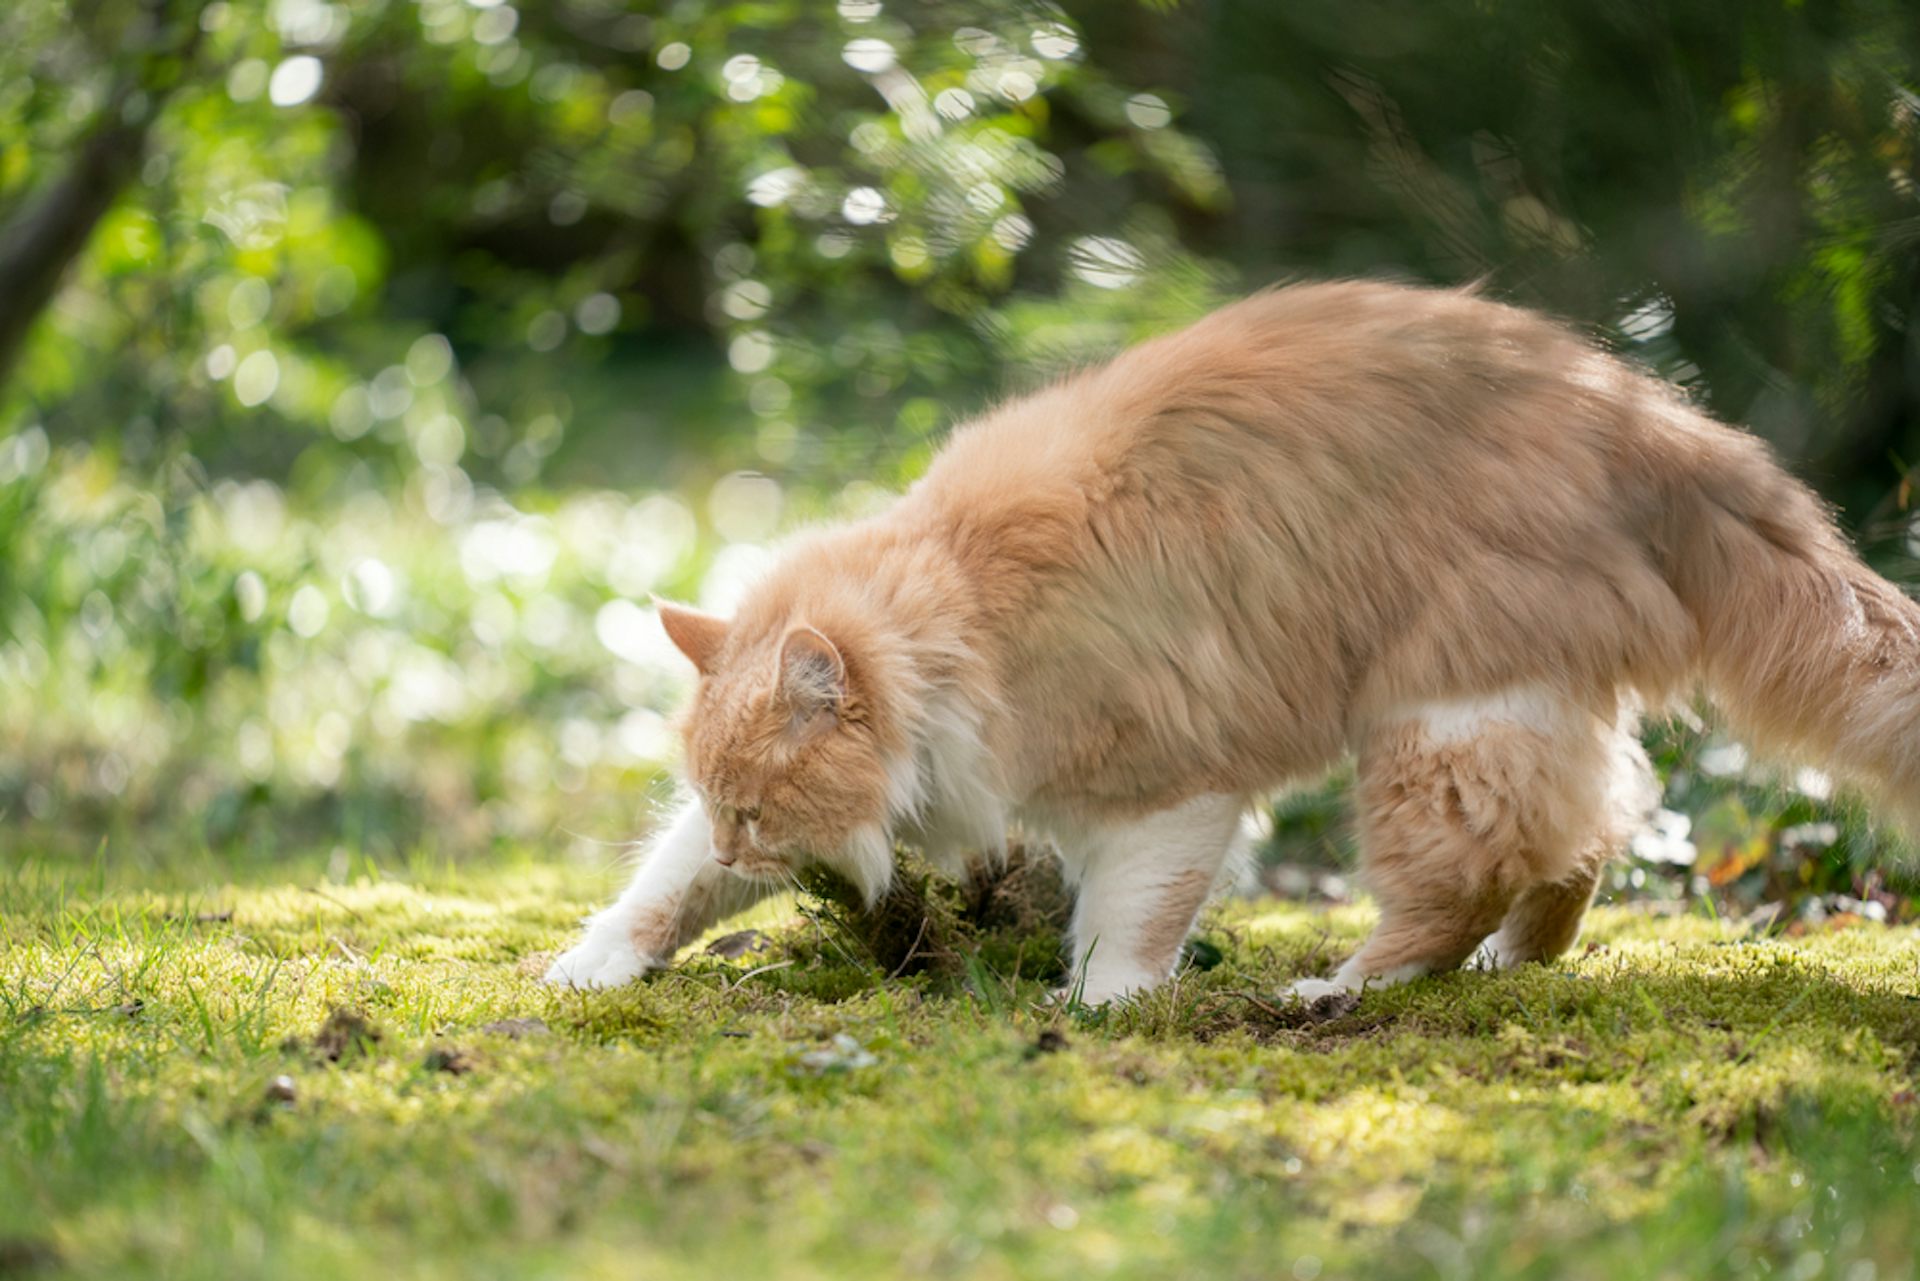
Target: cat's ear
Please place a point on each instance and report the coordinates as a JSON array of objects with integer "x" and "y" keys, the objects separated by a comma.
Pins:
[
  {"x": 813, "y": 676},
  {"x": 697, "y": 635}
]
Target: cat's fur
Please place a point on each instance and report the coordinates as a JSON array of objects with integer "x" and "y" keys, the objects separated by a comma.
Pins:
[{"x": 1443, "y": 534}]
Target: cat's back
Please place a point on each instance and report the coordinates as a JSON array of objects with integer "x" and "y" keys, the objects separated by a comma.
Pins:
[
  {"x": 1355, "y": 388},
  {"x": 1239, "y": 526},
  {"x": 1366, "y": 370}
]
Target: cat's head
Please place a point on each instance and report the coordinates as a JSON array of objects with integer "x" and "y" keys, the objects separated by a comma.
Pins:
[{"x": 783, "y": 748}]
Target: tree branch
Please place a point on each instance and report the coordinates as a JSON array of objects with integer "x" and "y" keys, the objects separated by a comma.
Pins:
[{"x": 41, "y": 241}]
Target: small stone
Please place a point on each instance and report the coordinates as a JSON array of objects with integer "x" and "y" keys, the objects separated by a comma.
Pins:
[
  {"x": 1050, "y": 1041},
  {"x": 1332, "y": 1006},
  {"x": 450, "y": 1059},
  {"x": 345, "y": 1033},
  {"x": 281, "y": 1090},
  {"x": 842, "y": 1054},
  {"x": 737, "y": 944},
  {"x": 516, "y": 1029},
  {"x": 20, "y": 1255}
]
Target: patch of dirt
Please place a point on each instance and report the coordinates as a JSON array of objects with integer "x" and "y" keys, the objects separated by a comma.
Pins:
[
  {"x": 926, "y": 924},
  {"x": 1325, "y": 1022},
  {"x": 347, "y": 1034},
  {"x": 1025, "y": 893},
  {"x": 25, "y": 1256},
  {"x": 914, "y": 929},
  {"x": 1050, "y": 1041},
  {"x": 450, "y": 1059}
]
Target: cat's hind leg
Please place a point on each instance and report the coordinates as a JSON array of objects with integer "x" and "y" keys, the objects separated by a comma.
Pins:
[
  {"x": 676, "y": 892},
  {"x": 1140, "y": 884},
  {"x": 1469, "y": 810},
  {"x": 1545, "y": 919}
]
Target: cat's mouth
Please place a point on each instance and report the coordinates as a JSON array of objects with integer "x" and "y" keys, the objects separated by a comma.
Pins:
[{"x": 758, "y": 868}]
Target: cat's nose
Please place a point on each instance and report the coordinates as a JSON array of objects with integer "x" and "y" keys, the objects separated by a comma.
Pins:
[{"x": 722, "y": 857}]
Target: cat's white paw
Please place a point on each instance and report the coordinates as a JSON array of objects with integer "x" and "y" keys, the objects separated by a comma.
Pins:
[
  {"x": 1494, "y": 954},
  {"x": 600, "y": 960},
  {"x": 1107, "y": 987},
  {"x": 1502, "y": 953},
  {"x": 1351, "y": 979},
  {"x": 1311, "y": 990}
]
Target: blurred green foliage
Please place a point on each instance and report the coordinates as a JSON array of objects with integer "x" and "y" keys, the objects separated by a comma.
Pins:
[
  {"x": 1726, "y": 188},
  {"x": 406, "y": 345}
]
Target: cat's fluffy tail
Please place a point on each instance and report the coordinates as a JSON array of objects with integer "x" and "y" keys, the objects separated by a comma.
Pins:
[{"x": 1807, "y": 651}]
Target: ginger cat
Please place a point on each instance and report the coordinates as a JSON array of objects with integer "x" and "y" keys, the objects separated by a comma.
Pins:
[{"x": 1442, "y": 534}]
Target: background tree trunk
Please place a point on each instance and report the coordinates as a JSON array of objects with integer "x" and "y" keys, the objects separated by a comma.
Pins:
[{"x": 39, "y": 243}]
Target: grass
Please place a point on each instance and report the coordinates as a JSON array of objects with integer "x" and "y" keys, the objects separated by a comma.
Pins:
[{"x": 1680, "y": 1098}]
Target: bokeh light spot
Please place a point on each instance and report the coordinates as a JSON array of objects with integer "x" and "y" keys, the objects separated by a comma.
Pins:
[
  {"x": 248, "y": 80},
  {"x": 776, "y": 186},
  {"x": 597, "y": 313},
  {"x": 869, "y": 54},
  {"x": 256, "y": 379},
  {"x": 307, "y": 613},
  {"x": 954, "y": 104},
  {"x": 429, "y": 359},
  {"x": 1105, "y": 261},
  {"x": 295, "y": 80},
  {"x": 1055, "y": 40},
  {"x": 745, "y": 507},
  {"x": 751, "y": 352},
  {"x": 864, "y": 206},
  {"x": 1148, "y": 111},
  {"x": 546, "y": 331},
  {"x": 250, "y": 596}
]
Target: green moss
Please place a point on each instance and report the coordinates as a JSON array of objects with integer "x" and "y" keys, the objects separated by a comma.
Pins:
[{"x": 1677, "y": 1098}]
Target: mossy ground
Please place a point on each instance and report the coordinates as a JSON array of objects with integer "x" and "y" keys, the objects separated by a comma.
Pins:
[{"x": 1681, "y": 1097}]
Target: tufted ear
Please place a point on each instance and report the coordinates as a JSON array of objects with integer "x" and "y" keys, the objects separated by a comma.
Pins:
[
  {"x": 813, "y": 676},
  {"x": 697, "y": 635}
]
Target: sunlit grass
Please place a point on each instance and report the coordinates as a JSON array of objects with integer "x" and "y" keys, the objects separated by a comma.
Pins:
[{"x": 1680, "y": 1097}]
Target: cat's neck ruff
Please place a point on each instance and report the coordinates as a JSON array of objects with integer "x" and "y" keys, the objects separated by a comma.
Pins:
[{"x": 944, "y": 793}]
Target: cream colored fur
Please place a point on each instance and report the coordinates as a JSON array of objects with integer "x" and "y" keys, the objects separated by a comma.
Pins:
[{"x": 1441, "y": 534}]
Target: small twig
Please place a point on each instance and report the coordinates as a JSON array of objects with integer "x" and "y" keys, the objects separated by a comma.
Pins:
[
  {"x": 336, "y": 902},
  {"x": 1251, "y": 999},
  {"x": 129, "y": 1009},
  {"x": 913, "y": 950},
  {"x": 1319, "y": 948},
  {"x": 777, "y": 965}
]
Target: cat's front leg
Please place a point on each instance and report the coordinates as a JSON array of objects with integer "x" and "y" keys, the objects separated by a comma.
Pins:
[
  {"x": 1141, "y": 883},
  {"x": 677, "y": 891}
]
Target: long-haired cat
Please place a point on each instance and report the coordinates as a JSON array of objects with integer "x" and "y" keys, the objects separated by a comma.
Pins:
[{"x": 1442, "y": 534}]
